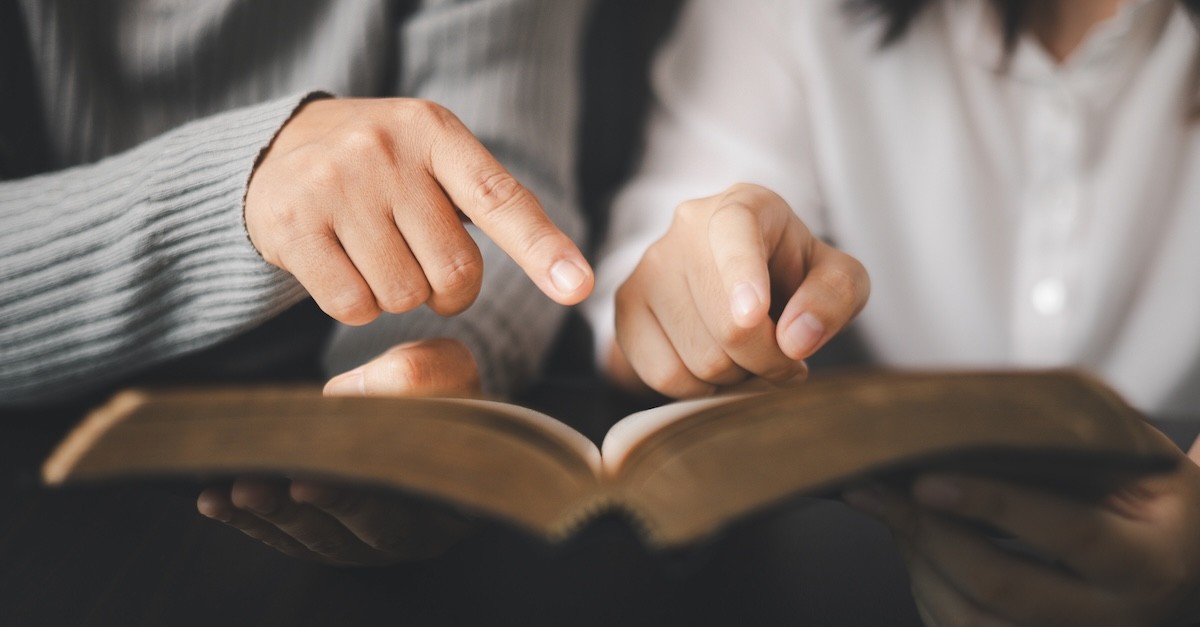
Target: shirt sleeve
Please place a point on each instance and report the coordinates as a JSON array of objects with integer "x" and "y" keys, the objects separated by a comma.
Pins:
[
  {"x": 111, "y": 267},
  {"x": 727, "y": 107},
  {"x": 509, "y": 70}
]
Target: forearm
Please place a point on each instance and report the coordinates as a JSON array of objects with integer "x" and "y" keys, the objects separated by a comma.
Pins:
[{"x": 111, "y": 267}]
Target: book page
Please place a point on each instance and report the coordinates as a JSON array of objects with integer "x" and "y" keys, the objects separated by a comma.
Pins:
[
  {"x": 553, "y": 427},
  {"x": 511, "y": 462},
  {"x": 634, "y": 428},
  {"x": 689, "y": 470}
]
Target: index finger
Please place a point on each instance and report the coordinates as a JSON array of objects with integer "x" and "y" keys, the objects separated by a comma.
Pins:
[
  {"x": 509, "y": 214},
  {"x": 746, "y": 233}
]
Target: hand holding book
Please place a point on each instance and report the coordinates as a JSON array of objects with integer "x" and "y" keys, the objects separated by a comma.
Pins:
[
  {"x": 344, "y": 524},
  {"x": 1132, "y": 558}
]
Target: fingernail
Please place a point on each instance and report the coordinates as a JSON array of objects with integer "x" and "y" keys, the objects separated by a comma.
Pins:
[
  {"x": 567, "y": 276},
  {"x": 744, "y": 301},
  {"x": 937, "y": 492},
  {"x": 351, "y": 383},
  {"x": 865, "y": 500},
  {"x": 802, "y": 335}
]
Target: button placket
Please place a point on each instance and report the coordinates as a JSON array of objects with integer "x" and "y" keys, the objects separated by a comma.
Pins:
[{"x": 1043, "y": 298}]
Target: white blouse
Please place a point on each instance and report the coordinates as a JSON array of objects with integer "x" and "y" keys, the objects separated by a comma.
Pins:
[{"x": 1029, "y": 216}]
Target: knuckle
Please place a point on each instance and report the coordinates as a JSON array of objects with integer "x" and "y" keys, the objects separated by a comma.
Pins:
[
  {"x": 431, "y": 113},
  {"x": 660, "y": 376},
  {"x": 494, "y": 192},
  {"x": 286, "y": 214},
  {"x": 862, "y": 280},
  {"x": 656, "y": 257},
  {"x": 323, "y": 173},
  {"x": 741, "y": 187},
  {"x": 732, "y": 207},
  {"x": 405, "y": 369},
  {"x": 749, "y": 193},
  {"x": 843, "y": 284},
  {"x": 712, "y": 364},
  {"x": 693, "y": 213},
  {"x": 461, "y": 275},
  {"x": 298, "y": 243},
  {"x": 403, "y": 298},
  {"x": 674, "y": 380},
  {"x": 353, "y": 309},
  {"x": 366, "y": 138}
]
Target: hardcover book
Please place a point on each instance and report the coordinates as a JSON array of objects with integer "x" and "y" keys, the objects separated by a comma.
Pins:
[{"x": 680, "y": 471}]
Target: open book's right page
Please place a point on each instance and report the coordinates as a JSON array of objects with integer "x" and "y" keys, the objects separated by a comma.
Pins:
[{"x": 687, "y": 468}]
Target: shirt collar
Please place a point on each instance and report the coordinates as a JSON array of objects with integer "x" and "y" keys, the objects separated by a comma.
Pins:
[{"x": 978, "y": 34}]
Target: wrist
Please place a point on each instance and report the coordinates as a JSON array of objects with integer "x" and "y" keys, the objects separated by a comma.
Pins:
[{"x": 266, "y": 148}]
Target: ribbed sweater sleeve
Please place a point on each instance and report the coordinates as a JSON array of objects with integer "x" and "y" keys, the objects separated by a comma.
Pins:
[
  {"x": 510, "y": 70},
  {"x": 111, "y": 267},
  {"x": 137, "y": 254}
]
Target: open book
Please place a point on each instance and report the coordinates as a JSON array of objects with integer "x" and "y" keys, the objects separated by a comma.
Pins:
[{"x": 682, "y": 470}]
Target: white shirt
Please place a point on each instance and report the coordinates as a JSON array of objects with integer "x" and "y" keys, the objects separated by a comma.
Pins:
[{"x": 1042, "y": 215}]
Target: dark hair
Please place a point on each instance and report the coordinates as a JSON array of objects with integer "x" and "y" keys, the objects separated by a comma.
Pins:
[{"x": 898, "y": 15}]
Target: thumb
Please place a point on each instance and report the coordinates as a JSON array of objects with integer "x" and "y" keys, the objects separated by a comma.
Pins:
[{"x": 432, "y": 367}]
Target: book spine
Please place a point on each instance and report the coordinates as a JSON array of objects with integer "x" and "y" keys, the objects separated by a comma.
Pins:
[{"x": 597, "y": 506}]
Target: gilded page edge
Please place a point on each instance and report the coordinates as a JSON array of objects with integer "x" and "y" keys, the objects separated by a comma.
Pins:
[{"x": 71, "y": 449}]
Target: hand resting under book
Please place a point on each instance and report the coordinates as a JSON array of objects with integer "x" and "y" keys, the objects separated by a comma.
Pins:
[
  {"x": 1130, "y": 559},
  {"x": 345, "y": 526}
]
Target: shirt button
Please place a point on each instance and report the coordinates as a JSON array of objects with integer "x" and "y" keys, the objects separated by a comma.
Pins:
[{"x": 1049, "y": 296}]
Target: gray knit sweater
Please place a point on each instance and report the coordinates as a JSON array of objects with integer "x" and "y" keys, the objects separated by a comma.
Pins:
[{"x": 132, "y": 251}]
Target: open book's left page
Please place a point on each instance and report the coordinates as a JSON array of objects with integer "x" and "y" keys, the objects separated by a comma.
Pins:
[{"x": 497, "y": 459}]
